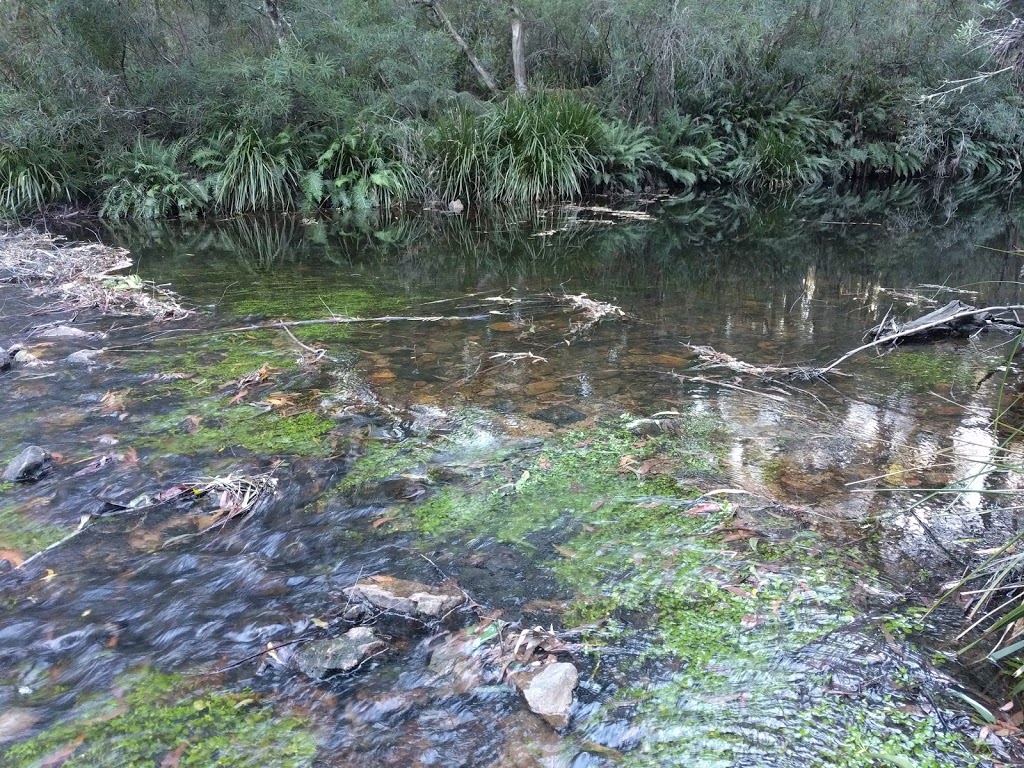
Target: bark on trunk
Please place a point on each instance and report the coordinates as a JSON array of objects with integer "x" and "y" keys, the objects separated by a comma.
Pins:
[
  {"x": 518, "y": 56},
  {"x": 281, "y": 26},
  {"x": 442, "y": 17}
]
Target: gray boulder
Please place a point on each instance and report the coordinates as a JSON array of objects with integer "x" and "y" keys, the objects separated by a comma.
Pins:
[
  {"x": 407, "y": 597},
  {"x": 30, "y": 464},
  {"x": 83, "y": 357},
  {"x": 549, "y": 691},
  {"x": 334, "y": 655}
]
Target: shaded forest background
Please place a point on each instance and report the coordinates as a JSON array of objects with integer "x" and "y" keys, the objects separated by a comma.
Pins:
[{"x": 155, "y": 108}]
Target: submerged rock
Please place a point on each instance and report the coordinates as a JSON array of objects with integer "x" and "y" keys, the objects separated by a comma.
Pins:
[
  {"x": 409, "y": 597},
  {"x": 30, "y": 464},
  {"x": 549, "y": 691},
  {"x": 334, "y": 655},
  {"x": 64, "y": 332},
  {"x": 558, "y": 415},
  {"x": 83, "y": 356}
]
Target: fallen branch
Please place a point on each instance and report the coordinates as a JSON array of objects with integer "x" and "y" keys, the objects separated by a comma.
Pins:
[{"x": 943, "y": 318}]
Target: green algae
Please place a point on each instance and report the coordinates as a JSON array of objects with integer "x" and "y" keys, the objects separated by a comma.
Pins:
[
  {"x": 163, "y": 720},
  {"x": 729, "y": 610},
  {"x": 213, "y": 427},
  {"x": 19, "y": 532},
  {"x": 926, "y": 369},
  {"x": 218, "y": 362},
  {"x": 555, "y": 488}
]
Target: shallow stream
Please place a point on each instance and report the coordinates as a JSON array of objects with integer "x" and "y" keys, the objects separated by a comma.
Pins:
[{"x": 738, "y": 580}]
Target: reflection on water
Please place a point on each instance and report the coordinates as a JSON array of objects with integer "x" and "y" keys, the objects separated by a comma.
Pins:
[{"x": 779, "y": 285}]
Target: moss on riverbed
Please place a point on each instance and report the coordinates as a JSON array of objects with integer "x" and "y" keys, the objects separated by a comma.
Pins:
[
  {"x": 21, "y": 533},
  {"x": 164, "y": 720},
  {"x": 212, "y": 427}
]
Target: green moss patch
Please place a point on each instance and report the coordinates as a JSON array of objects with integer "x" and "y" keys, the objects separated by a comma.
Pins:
[
  {"x": 927, "y": 369},
  {"x": 215, "y": 426},
  {"x": 19, "y": 532},
  {"x": 163, "y": 720}
]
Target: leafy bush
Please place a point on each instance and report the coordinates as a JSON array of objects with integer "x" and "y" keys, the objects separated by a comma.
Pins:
[
  {"x": 146, "y": 183},
  {"x": 359, "y": 170},
  {"x": 247, "y": 173},
  {"x": 32, "y": 177},
  {"x": 525, "y": 150}
]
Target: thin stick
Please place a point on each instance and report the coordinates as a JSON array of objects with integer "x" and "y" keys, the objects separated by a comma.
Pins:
[{"x": 81, "y": 527}]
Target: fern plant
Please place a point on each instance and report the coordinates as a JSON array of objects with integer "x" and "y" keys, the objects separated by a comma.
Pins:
[
  {"x": 358, "y": 171},
  {"x": 145, "y": 182}
]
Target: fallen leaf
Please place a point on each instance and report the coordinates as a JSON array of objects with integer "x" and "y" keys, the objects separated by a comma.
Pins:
[
  {"x": 173, "y": 758},
  {"x": 382, "y": 521},
  {"x": 738, "y": 534},
  {"x": 59, "y": 756},
  {"x": 703, "y": 509},
  {"x": 505, "y": 326},
  {"x": 12, "y": 556},
  {"x": 381, "y": 377},
  {"x": 750, "y": 621},
  {"x": 545, "y": 464},
  {"x": 192, "y": 424},
  {"x": 566, "y": 552}
]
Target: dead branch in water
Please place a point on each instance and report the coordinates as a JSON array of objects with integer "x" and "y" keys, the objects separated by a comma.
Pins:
[{"x": 955, "y": 317}]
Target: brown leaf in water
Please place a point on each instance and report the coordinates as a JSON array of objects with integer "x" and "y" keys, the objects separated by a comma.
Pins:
[
  {"x": 566, "y": 552},
  {"x": 545, "y": 464},
  {"x": 585, "y": 443},
  {"x": 170, "y": 493},
  {"x": 672, "y": 361},
  {"x": 242, "y": 393},
  {"x": 113, "y": 401},
  {"x": 173, "y": 758},
  {"x": 12, "y": 556},
  {"x": 738, "y": 534},
  {"x": 60, "y": 755},
  {"x": 382, "y": 376},
  {"x": 130, "y": 457},
  {"x": 505, "y": 327},
  {"x": 703, "y": 509},
  {"x": 191, "y": 424},
  {"x": 382, "y": 521}
]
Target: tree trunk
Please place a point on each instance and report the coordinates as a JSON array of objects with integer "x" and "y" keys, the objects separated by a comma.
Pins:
[
  {"x": 518, "y": 56},
  {"x": 460, "y": 41},
  {"x": 281, "y": 26}
]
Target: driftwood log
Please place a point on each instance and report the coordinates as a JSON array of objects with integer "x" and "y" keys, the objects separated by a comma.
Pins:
[{"x": 956, "y": 318}]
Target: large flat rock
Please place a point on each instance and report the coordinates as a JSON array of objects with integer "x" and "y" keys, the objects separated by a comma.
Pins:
[
  {"x": 549, "y": 691},
  {"x": 334, "y": 655},
  {"x": 407, "y": 597}
]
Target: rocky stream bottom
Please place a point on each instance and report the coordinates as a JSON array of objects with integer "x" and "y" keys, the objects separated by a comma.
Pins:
[{"x": 230, "y": 551}]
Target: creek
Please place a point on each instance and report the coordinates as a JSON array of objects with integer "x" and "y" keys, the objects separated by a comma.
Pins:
[{"x": 741, "y": 581}]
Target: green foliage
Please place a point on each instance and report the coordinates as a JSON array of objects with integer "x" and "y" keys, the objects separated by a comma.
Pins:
[
  {"x": 768, "y": 96},
  {"x": 33, "y": 177},
  {"x": 145, "y": 182},
  {"x": 359, "y": 170},
  {"x": 162, "y": 719},
  {"x": 546, "y": 147},
  {"x": 246, "y": 172}
]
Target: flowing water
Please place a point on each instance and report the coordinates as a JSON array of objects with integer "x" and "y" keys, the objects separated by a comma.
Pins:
[{"x": 775, "y": 623}]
